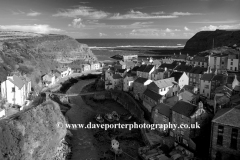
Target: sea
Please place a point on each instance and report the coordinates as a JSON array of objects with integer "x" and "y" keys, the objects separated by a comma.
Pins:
[{"x": 105, "y": 48}]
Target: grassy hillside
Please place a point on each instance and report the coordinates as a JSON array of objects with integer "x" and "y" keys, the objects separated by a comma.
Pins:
[{"x": 36, "y": 54}]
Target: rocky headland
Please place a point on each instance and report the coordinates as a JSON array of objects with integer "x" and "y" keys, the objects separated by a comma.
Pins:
[{"x": 206, "y": 40}]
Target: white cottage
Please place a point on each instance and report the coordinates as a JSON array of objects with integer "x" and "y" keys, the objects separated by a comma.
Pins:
[{"x": 15, "y": 90}]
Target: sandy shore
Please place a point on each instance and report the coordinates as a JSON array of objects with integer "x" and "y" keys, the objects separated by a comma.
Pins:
[{"x": 83, "y": 148}]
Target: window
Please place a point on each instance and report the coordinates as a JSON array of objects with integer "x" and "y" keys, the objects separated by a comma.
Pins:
[
  {"x": 234, "y": 136},
  {"x": 231, "y": 63},
  {"x": 230, "y": 68},
  {"x": 207, "y": 86},
  {"x": 220, "y": 135},
  {"x": 13, "y": 89},
  {"x": 182, "y": 116}
]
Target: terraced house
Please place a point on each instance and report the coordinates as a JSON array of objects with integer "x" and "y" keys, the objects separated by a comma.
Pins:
[
  {"x": 16, "y": 89},
  {"x": 188, "y": 114},
  {"x": 160, "y": 74},
  {"x": 225, "y": 135},
  {"x": 161, "y": 115},
  {"x": 233, "y": 62},
  {"x": 195, "y": 75},
  {"x": 181, "y": 78},
  {"x": 199, "y": 61},
  {"x": 147, "y": 71},
  {"x": 218, "y": 61},
  {"x": 165, "y": 87}
]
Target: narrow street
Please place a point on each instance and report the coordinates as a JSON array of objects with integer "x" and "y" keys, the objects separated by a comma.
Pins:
[{"x": 82, "y": 142}]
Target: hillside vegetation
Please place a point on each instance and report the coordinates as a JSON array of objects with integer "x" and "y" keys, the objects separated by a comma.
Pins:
[
  {"x": 36, "y": 54},
  {"x": 205, "y": 40}
]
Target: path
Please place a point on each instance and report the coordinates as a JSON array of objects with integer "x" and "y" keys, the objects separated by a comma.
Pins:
[{"x": 82, "y": 142}]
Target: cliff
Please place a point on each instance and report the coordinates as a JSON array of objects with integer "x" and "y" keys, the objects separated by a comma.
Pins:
[
  {"x": 204, "y": 40},
  {"x": 33, "y": 133},
  {"x": 35, "y": 54}
]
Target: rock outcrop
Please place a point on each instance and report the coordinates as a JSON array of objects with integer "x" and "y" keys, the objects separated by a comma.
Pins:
[
  {"x": 34, "y": 134},
  {"x": 205, "y": 40}
]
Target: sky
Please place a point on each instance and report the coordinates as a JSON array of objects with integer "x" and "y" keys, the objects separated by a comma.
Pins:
[{"x": 141, "y": 19}]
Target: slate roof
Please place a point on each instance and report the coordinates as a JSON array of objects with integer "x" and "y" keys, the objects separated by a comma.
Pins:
[
  {"x": 198, "y": 70},
  {"x": 168, "y": 66},
  {"x": 187, "y": 95},
  {"x": 176, "y": 75},
  {"x": 183, "y": 68},
  {"x": 154, "y": 96},
  {"x": 228, "y": 116},
  {"x": 141, "y": 68},
  {"x": 232, "y": 56},
  {"x": 182, "y": 56},
  {"x": 163, "y": 109},
  {"x": 148, "y": 68},
  {"x": 220, "y": 77},
  {"x": 17, "y": 81},
  {"x": 135, "y": 68},
  {"x": 200, "y": 59},
  {"x": 207, "y": 76},
  {"x": 188, "y": 88},
  {"x": 163, "y": 83},
  {"x": 184, "y": 108},
  {"x": 120, "y": 70},
  {"x": 117, "y": 76},
  {"x": 140, "y": 80}
]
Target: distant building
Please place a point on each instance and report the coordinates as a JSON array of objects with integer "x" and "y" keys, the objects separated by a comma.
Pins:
[
  {"x": 161, "y": 115},
  {"x": 66, "y": 72},
  {"x": 199, "y": 61},
  {"x": 233, "y": 62},
  {"x": 218, "y": 61},
  {"x": 225, "y": 135},
  {"x": 195, "y": 75},
  {"x": 165, "y": 87},
  {"x": 180, "y": 57},
  {"x": 181, "y": 78},
  {"x": 117, "y": 81},
  {"x": 156, "y": 63},
  {"x": 160, "y": 74},
  {"x": 170, "y": 67},
  {"x": 128, "y": 83},
  {"x": 205, "y": 85},
  {"x": 189, "y": 94},
  {"x": 147, "y": 71},
  {"x": 151, "y": 99},
  {"x": 183, "y": 68},
  {"x": 140, "y": 70},
  {"x": 86, "y": 67},
  {"x": 187, "y": 114},
  {"x": 139, "y": 86},
  {"x": 122, "y": 72}
]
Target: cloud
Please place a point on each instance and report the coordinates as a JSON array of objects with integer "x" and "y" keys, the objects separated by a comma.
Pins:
[
  {"x": 186, "y": 29},
  {"x": 170, "y": 30},
  {"x": 77, "y": 23},
  {"x": 17, "y": 12},
  {"x": 220, "y": 22},
  {"x": 185, "y": 14},
  {"x": 140, "y": 15},
  {"x": 33, "y": 13},
  {"x": 102, "y": 34},
  {"x": 158, "y": 12},
  {"x": 145, "y": 32},
  {"x": 37, "y": 28},
  {"x": 224, "y": 27},
  {"x": 82, "y": 11}
]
